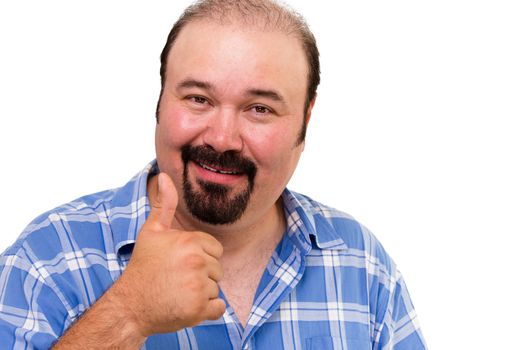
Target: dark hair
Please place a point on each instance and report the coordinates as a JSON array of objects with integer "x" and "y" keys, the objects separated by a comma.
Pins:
[{"x": 267, "y": 14}]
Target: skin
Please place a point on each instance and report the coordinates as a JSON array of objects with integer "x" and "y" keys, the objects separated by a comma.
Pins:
[
  {"x": 178, "y": 263},
  {"x": 225, "y": 116}
]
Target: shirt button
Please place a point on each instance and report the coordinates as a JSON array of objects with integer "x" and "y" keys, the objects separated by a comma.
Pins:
[{"x": 246, "y": 347}]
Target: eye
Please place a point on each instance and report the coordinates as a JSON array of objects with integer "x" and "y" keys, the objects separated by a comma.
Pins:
[
  {"x": 262, "y": 109},
  {"x": 197, "y": 99}
]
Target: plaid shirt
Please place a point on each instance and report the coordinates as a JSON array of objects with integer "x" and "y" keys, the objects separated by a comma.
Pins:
[{"x": 328, "y": 285}]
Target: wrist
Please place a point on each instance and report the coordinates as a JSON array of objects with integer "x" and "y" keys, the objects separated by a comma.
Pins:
[
  {"x": 122, "y": 301},
  {"x": 108, "y": 324}
]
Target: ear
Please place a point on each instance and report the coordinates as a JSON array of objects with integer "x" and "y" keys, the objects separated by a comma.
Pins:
[
  {"x": 309, "y": 111},
  {"x": 302, "y": 140}
]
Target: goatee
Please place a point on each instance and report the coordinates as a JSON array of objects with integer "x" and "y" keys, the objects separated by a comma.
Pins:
[{"x": 215, "y": 203}]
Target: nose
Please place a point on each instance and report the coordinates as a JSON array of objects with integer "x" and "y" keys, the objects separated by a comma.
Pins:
[{"x": 222, "y": 131}]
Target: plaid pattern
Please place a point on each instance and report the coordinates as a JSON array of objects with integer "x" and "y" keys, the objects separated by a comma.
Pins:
[{"x": 328, "y": 285}]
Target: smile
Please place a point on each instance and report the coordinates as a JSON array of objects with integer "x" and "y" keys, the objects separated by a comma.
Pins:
[{"x": 225, "y": 172}]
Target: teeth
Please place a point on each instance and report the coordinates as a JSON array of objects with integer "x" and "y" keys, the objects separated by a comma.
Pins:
[
  {"x": 208, "y": 168},
  {"x": 218, "y": 171}
]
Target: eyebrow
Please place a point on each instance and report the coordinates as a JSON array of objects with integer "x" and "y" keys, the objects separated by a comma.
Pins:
[
  {"x": 271, "y": 94},
  {"x": 267, "y": 93},
  {"x": 191, "y": 83}
]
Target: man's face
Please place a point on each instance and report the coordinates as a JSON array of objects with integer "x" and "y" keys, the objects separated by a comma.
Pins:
[{"x": 230, "y": 116}]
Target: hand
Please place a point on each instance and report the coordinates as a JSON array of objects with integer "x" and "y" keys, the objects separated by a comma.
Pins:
[{"x": 171, "y": 280}]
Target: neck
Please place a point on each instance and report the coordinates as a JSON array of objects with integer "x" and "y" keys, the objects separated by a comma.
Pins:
[{"x": 265, "y": 233}]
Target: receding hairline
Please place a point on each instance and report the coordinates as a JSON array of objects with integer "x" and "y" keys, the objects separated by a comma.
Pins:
[{"x": 261, "y": 14}]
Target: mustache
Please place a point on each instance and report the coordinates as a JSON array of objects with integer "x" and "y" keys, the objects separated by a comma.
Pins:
[{"x": 231, "y": 160}]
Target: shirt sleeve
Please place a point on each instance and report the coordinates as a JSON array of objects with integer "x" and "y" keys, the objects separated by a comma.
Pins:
[
  {"x": 400, "y": 329},
  {"x": 31, "y": 314},
  {"x": 394, "y": 323}
]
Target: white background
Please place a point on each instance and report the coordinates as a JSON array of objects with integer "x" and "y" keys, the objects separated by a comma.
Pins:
[{"x": 417, "y": 132}]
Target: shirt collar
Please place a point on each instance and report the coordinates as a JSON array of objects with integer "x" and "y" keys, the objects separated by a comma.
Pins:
[{"x": 307, "y": 223}]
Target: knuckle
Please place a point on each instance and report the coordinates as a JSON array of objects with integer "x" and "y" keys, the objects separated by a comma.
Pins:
[
  {"x": 220, "y": 272},
  {"x": 219, "y": 248},
  {"x": 195, "y": 261},
  {"x": 195, "y": 285},
  {"x": 218, "y": 310},
  {"x": 185, "y": 238},
  {"x": 195, "y": 309}
]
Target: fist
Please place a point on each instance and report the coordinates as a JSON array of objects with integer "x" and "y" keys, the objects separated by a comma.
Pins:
[{"x": 171, "y": 280}]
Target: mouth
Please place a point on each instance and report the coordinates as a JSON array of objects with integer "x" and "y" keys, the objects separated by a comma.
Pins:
[
  {"x": 218, "y": 170},
  {"x": 214, "y": 174},
  {"x": 229, "y": 168}
]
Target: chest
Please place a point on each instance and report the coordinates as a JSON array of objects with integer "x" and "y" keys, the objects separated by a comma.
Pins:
[
  {"x": 240, "y": 283},
  {"x": 326, "y": 309}
]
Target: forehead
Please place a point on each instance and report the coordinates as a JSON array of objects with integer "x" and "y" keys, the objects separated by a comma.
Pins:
[{"x": 236, "y": 56}]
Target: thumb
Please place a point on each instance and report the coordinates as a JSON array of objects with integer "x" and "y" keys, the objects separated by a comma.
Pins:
[{"x": 164, "y": 205}]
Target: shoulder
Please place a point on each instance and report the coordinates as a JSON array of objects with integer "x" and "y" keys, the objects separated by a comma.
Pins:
[
  {"x": 342, "y": 244},
  {"x": 89, "y": 226},
  {"x": 334, "y": 233},
  {"x": 71, "y": 221},
  {"x": 331, "y": 225},
  {"x": 46, "y": 272},
  {"x": 66, "y": 253}
]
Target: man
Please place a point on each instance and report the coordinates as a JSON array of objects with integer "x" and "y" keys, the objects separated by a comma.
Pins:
[{"x": 206, "y": 248}]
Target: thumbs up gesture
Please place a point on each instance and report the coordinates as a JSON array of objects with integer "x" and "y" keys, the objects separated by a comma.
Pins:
[{"x": 171, "y": 280}]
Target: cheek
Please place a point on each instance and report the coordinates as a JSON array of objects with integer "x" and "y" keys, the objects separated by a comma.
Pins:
[
  {"x": 274, "y": 148},
  {"x": 177, "y": 128}
]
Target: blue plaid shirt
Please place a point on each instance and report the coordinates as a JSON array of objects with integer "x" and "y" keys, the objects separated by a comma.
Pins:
[{"x": 328, "y": 285}]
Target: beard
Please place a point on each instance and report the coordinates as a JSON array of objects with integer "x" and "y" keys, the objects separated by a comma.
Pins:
[{"x": 210, "y": 202}]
